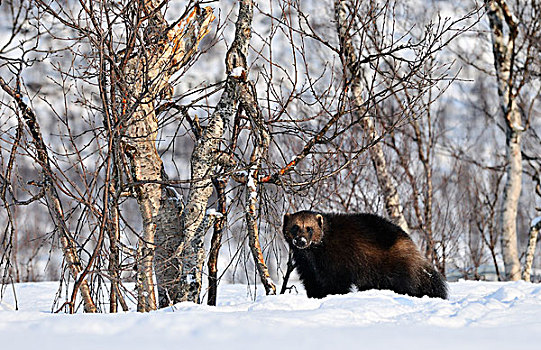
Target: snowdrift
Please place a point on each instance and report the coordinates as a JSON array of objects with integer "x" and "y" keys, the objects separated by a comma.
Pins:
[{"x": 478, "y": 315}]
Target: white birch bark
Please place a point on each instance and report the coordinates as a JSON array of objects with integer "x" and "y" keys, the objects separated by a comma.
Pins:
[
  {"x": 532, "y": 242},
  {"x": 204, "y": 159},
  {"x": 189, "y": 252},
  {"x": 503, "y": 45}
]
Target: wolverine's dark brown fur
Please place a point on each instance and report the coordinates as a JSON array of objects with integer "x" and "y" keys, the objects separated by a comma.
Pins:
[{"x": 334, "y": 252}]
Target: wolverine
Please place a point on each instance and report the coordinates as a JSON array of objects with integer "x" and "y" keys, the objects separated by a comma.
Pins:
[{"x": 335, "y": 252}]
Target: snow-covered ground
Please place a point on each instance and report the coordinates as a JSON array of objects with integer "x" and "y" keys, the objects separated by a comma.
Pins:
[{"x": 479, "y": 315}]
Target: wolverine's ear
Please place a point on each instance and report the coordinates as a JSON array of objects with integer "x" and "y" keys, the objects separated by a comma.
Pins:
[
  {"x": 319, "y": 219},
  {"x": 286, "y": 219}
]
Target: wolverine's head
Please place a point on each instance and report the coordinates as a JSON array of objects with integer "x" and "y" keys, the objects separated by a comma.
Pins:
[{"x": 303, "y": 229}]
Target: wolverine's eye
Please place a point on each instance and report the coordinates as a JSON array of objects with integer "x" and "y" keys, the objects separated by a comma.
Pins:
[
  {"x": 294, "y": 229},
  {"x": 309, "y": 229}
]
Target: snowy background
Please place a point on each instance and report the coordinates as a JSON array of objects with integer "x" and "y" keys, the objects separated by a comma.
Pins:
[{"x": 478, "y": 315}]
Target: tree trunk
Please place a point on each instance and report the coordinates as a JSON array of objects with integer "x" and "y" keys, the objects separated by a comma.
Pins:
[
  {"x": 503, "y": 45},
  {"x": 145, "y": 163},
  {"x": 511, "y": 197},
  {"x": 146, "y": 76},
  {"x": 115, "y": 295},
  {"x": 204, "y": 159},
  {"x": 168, "y": 238},
  {"x": 191, "y": 255},
  {"x": 220, "y": 184},
  {"x": 253, "y": 234},
  {"x": 216, "y": 241},
  {"x": 249, "y": 104},
  {"x": 534, "y": 232}
]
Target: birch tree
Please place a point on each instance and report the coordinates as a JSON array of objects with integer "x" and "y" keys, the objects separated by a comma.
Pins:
[
  {"x": 147, "y": 76},
  {"x": 512, "y": 41},
  {"x": 534, "y": 232},
  {"x": 137, "y": 52},
  {"x": 504, "y": 30},
  {"x": 205, "y": 157},
  {"x": 535, "y": 227}
]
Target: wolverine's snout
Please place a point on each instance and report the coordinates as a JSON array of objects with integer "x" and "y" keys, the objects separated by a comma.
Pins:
[{"x": 300, "y": 242}]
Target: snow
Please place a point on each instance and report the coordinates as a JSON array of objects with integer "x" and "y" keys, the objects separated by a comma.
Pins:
[
  {"x": 214, "y": 212},
  {"x": 251, "y": 184},
  {"x": 237, "y": 72},
  {"x": 487, "y": 315}
]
